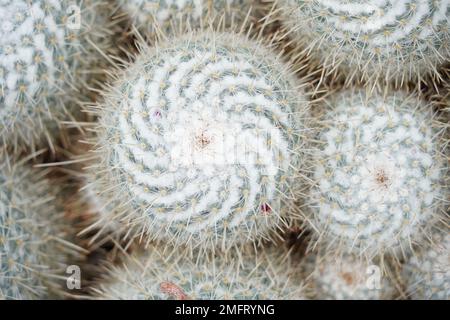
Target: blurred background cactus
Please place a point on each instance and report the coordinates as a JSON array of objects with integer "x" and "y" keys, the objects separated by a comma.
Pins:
[
  {"x": 165, "y": 17},
  {"x": 347, "y": 277},
  {"x": 49, "y": 51},
  {"x": 401, "y": 40},
  {"x": 427, "y": 274},
  {"x": 35, "y": 238},
  {"x": 245, "y": 275}
]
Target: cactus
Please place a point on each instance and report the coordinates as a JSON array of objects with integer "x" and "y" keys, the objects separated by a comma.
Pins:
[
  {"x": 379, "y": 177},
  {"x": 198, "y": 142},
  {"x": 428, "y": 273},
  {"x": 244, "y": 275},
  {"x": 347, "y": 278},
  {"x": 399, "y": 40},
  {"x": 45, "y": 56},
  {"x": 34, "y": 238},
  {"x": 167, "y": 16}
]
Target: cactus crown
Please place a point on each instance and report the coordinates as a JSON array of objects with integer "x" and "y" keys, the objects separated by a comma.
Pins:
[
  {"x": 201, "y": 138},
  {"x": 156, "y": 275},
  {"x": 32, "y": 251},
  {"x": 44, "y": 54},
  {"x": 379, "y": 173},
  {"x": 400, "y": 40}
]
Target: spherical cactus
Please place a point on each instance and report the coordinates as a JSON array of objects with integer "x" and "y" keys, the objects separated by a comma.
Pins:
[
  {"x": 428, "y": 273},
  {"x": 159, "y": 276},
  {"x": 379, "y": 177},
  {"x": 153, "y": 16},
  {"x": 46, "y": 53},
  {"x": 372, "y": 40},
  {"x": 347, "y": 278},
  {"x": 199, "y": 142},
  {"x": 34, "y": 238}
]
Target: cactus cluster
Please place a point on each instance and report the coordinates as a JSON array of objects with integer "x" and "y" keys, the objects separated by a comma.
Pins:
[
  {"x": 34, "y": 237},
  {"x": 428, "y": 273},
  {"x": 397, "y": 40},
  {"x": 153, "y": 17},
  {"x": 155, "y": 275},
  {"x": 45, "y": 53},
  {"x": 379, "y": 173},
  {"x": 199, "y": 142},
  {"x": 209, "y": 132}
]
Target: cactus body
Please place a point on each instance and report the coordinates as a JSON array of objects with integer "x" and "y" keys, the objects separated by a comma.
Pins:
[
  {"x": 198, "y": 142},
  {"x": 45, "y": 56},
  {"x": 428, "y": 272},
  {"x": 379, "y": 174},
  {"x": 33, "y": 234},
  {"x": 156, "y": 276},
  {"x": 397, "y": 40}
]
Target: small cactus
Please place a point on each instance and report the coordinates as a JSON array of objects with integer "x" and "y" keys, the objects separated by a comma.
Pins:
[
  {"x": 398, "y": 40},
  {"x": 199, "y": 142},
  {"x": 153, "y": 16},
  {"x": 347, "y": 278},
  {"x": 428, "y": 273},
  {"x": 34, "y": 238},
  {"x": 379, "y": 177},
  {"x": 45, "y": 55},
  {"x": 158, "y": 276}
]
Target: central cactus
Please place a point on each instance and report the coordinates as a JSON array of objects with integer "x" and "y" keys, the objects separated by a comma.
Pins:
[{"x": 199, "y": 141}]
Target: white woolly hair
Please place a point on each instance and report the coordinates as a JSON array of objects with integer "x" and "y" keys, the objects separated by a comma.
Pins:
[
  {"x": 371, "y": 40},
  {"x": 182, "y": 153},
  {"x": 240, "y": 275},
  {"x": 35, "y": 238},
  {"x": 46, "y": 58},
  {"x": 380, "y": 182}
]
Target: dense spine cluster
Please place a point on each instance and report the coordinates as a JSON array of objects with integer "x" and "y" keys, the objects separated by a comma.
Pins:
[
  {"x": 34, "y": 237},
  {"x": 379, "y": 174},
  {"x": 198, "y": 142},
  {"x": 155, "y": 275},
  {"x": 45, "y": 57},
  {"x": 167, "y": 16},
  {"x": 428, "y": 273},
  {"x": 400, "y": 40}
]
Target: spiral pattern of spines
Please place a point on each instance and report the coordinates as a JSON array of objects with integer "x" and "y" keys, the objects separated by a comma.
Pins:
[
  {"x": 45, "y": 58},
  {"x": 373, "y": 40},
  {"x": 157, "y": 275},
  {"x": 35, "y": 239},
  {"x": 202, "y": 142},
  {"x": 379, "y": 177},
  {"x": 428, "y": 272}
]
